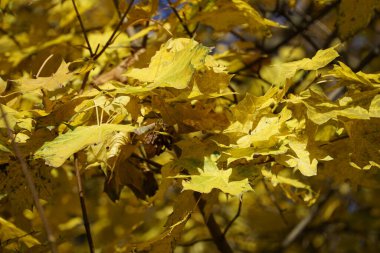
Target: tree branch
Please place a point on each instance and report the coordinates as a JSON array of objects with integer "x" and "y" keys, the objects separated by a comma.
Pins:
[
  {"x": 297, "y": 230},
  {"x": 213, "y": 227},
  {"x": 291, "y": 35},
  {"x": 83, "y": 207},
  {"x": 234, "y": 218},
  {"x": 110, "y": 40},
  {"x": 31, "y": 186},
  {"x": 189, "y": 33},
  {"x": 83, "y": 29}
]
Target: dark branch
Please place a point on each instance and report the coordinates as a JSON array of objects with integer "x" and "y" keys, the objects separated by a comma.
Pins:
[
  {"x": 83, "y": 29},
  {"x": 291, "y": 35},
  {"x": 189, "y": 244},
  {"x": 110, "y": 40},
  {"x": 213, "y": 227},
  {"x": 300, "y": 227},
  {"x": 189, "y": 33},
  {"x": 31, "y": 185},
  {"x": 234, "y": 218},
  {"x": 83, "y": 207},
  {"x": 273, "y": 199}
]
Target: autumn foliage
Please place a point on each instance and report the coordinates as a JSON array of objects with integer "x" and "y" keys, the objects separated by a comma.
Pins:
[{"x": 189, "y": 126}]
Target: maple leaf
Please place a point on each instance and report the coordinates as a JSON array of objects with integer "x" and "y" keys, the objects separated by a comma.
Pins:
[
  {"x": 347, "y": 77},
  {"x": 354, "y": 15},
  {"x": 56, "y": 81},
  {"x": 211, "y": 177},
  {"x": 224, "y": 15},
  {"x": 173, "y": 65},
  {"x": 9, "y": 232},
  {"x": 57, "y": 151},
  {"x": 279, "y": 73}
]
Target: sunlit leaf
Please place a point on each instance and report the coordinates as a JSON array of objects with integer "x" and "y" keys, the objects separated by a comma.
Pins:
[
  {"x": 57, "y": 151},
  {"x": 211, "y": 177},
  {"x": 173, "y": 65}
]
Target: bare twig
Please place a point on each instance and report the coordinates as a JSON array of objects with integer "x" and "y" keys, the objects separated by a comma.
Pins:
[
  {"x": 273, "y": 199},
  {"x": 110, "y": 40},
  {"x": 189, "y": 244},
  {"x": 326, "y": 10},
  {"x": 83, "y": 29},
  {"x": 367, "y": 59},
  {"x": 83, "y": 207},
  {"x": 297, "y": 230},
  {"x": 145, "y": 38},
  {"x": 116, "y": 4},
  {"x": 31, "y": 186},
  {"x": 213, "y": 227},
  {"x": 187, "y": 30},
  {"x": 234, "y": 218}
]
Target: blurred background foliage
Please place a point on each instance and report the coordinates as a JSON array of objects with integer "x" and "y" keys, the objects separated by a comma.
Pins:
[{"x": 346, "y": 214}]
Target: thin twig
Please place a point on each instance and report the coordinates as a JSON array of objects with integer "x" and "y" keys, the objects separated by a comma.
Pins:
[
  {"x": 367, "y": 59},
  {"x": 189, "y": 33},
  {"x": 116, "y": 4},
  {"x": 300, "y": 227},
  {"x": 84, "y": 81},
  {"x": 83, "y": 29},
  {"x": 273, "y": 199},
  {"x": 234, "y": 94},
  {"x": 156, "y": 165},
  {"x": 213, "y": 227},
  {"x": 110, "y": 40},
  {"x": 145, "y": 38},
  {"x": 291, "y": 35},
  {"x": 234, "y": 218},
  {"x": 189, "y": 244},
  {"x": 83, "y": 207},
  {"x": 30, "y": 183}
]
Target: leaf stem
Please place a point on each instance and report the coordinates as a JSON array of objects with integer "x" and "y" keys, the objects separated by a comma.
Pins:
[{"x": 31, "y": 185}]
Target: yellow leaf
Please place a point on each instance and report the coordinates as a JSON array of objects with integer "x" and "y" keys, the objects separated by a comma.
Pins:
[
  {"x": 302, "y": 161},
  {"x": 211, "y": 177},
  {"x": 8, "y": 231},
  {"x": 58, "y": 80},
  {"x": 354, "y": 15},
  {"x": 224, "y": 15},
  {"x": 173, "y": 65},
  {"x": 284, "y": 71},
  {"x": 277, "y": 179}
]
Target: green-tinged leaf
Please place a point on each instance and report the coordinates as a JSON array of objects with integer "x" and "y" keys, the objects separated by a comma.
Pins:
[
  {"x": 14, "y": 235},
  {"x": 57, "y": 151},
  {"x": 211, "y": 177},
  {"x": 173, "y": 65}
]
